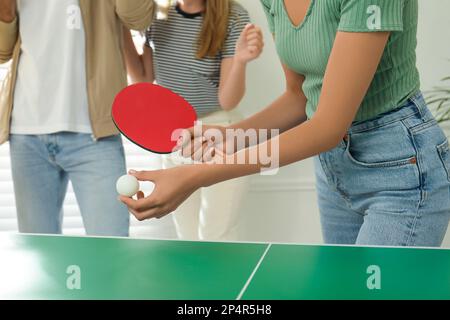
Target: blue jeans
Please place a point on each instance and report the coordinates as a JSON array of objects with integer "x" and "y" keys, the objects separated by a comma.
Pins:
[
  {"x": 42, "y": 166},
  {"x": 388, "y": 182}
]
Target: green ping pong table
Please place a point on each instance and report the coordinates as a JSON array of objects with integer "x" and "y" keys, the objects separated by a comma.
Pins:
[{"x": 56, "y": 267}]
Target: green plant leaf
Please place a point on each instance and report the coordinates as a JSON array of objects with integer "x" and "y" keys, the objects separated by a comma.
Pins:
[
  {"x": 441, "y": 104},
  {"x": 438, "y": 100}
]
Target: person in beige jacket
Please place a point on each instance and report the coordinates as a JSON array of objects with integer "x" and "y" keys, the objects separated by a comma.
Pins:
[{"x": 67, "y": 66}]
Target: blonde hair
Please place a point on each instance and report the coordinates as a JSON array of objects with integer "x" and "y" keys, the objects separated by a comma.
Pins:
[{"x": 215, "y": 25}]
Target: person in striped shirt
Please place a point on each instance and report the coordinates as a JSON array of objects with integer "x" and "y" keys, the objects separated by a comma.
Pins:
[{"x": 200, "y": 49}]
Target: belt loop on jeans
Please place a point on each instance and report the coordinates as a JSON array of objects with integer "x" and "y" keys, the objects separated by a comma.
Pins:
[{"x": 419, "y": 102}]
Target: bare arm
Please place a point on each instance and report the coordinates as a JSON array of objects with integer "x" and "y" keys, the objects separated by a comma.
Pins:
[
  {"x": 232, "y": 83},
  {"x": 233, "y": 70},
  {"x": 140, "y": 67},
  {"x": 350, "y": 71},
  {"x": 284, "y": 113},
  {"x": 8, "y": 29},
  {"x": 351, "y": 68}
]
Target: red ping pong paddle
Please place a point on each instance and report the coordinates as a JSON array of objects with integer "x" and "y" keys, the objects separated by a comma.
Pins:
[{"x": 152, "y": 116}]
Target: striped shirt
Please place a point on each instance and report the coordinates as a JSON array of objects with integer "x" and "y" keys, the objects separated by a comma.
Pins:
[{"x": 174, "y": 43}]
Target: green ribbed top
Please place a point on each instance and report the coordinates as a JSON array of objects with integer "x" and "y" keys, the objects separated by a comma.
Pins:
[{"x": 306, "y": 48}]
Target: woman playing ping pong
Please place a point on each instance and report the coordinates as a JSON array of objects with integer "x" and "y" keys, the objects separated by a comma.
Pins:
[
  {"x": 352, "y": 101},
  {"x": 199, "y": 49}
]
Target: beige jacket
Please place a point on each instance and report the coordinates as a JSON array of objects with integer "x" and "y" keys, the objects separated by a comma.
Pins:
[{"x": 105, "y": 66}]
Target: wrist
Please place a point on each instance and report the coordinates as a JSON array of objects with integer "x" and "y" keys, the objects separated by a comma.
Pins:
[
  {"x": 200, "y": 175},
  {"x": 239, "y": 63}
]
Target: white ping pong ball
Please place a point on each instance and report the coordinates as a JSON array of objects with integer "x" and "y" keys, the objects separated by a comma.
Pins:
[{"x": 127, "y": 186}]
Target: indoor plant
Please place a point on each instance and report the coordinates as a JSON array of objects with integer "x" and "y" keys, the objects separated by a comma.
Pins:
[{"x": 439, "y": 100}]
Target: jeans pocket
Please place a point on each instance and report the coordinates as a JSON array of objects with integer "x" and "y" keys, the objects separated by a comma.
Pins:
[
  {"x": 383, "y": 147},
  {"x": 444, "y": 154}
]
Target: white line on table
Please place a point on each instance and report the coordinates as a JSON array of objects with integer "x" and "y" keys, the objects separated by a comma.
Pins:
[{"x": 239, "y": 297}]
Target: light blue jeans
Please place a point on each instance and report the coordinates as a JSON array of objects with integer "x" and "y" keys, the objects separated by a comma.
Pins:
[
  {"x": 388, "y": 182},
  {"x": 42, "y": 166}
]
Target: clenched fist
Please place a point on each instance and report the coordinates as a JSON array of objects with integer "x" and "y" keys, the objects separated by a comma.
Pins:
[{"x": 250, "y": 44}]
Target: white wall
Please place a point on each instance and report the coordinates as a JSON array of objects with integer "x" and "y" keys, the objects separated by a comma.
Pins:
[
  {"x": 283, "y": 208},
  {"x": 433, "y": 50}
]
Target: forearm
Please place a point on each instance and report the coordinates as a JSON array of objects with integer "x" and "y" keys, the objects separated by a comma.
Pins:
[
  {"x": 283, "y": 114},
  {"x": 347, "y": 79},
  {"x": 134, "y": 61},
  {"x": 351, "y": 68},
  {"x": 8, "y": 10},
  {"x": 233, "y": 89},
  {"x": 136, "y": 14},
  {"x": 299, "y": 143}
]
